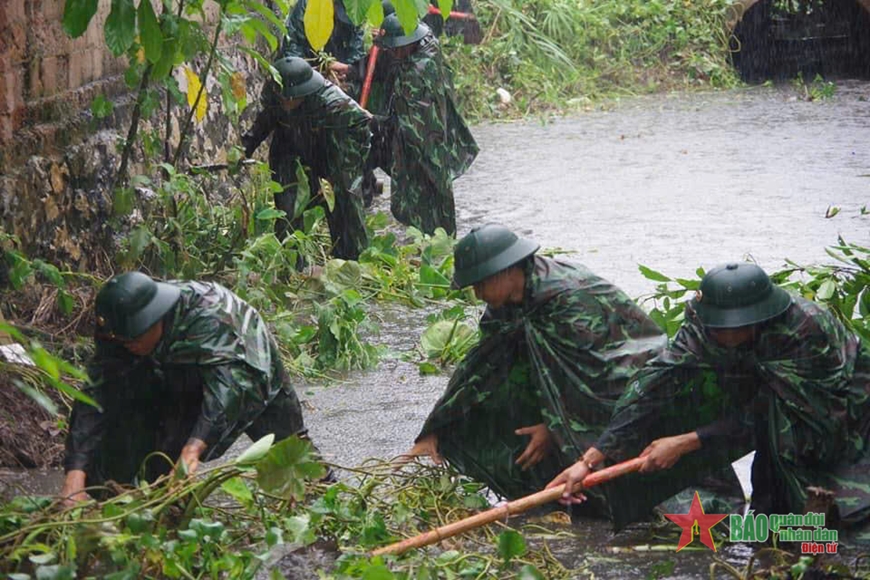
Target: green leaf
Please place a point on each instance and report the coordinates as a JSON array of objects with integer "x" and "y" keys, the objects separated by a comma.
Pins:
[
  {"x": 101, "y": 107},
  {"x": 123, "y": 201},
  {"x": 274, "y": 537},
  {"x": 285, "y": 467},
  {"x": 41, "y": 398},
  {"x": 120, "y": 29},
  {"x": 77, "y": 15},
  {"x": 375, "y": 14},
  {"x": 149, "y": 32},
  {"x": 427, "y": 368},
  {"x": 318, "y": 21},
  {"x": 510, "y": 545},
  {"x": 237, "y": 489},
  {"x": 57, "y": 572},
  {"x": 377, "y": 572},
  {"x": 139, "y": 240},
  {"x": 406, "y": 10},
  {"x": 446, "y": 6},
  {"x": 826, "y": 290},
  {"x": 270, "y": 213},
  {"x": 65, "y": 302},
  {"x": 651, "y": 274},
  {"x": 358, "y": 9},
  {"x": 303, "y": 191},
  {"x": 328, "y": 194},
  {"x": 438, "y": 336},
  {"x": 256, "y": 451}
]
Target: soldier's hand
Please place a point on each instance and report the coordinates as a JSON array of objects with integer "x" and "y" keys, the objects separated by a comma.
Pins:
[
  {"x": 73, "y": 490},
  {"x": 427, "y": 446},
  {"x": 665, "y": 452},
  {"x": 538, "y": 447},
  {"x": 190, "y": 454},
  {"x": 340, "y": 69},
  {"x": 571, "y": 477}
]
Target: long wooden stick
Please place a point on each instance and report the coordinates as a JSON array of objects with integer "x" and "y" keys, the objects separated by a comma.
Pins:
[
  {"x": 453, "y": 14},
  {"x": 509, "y": 509},
  {"x": 370, "y": 73}
]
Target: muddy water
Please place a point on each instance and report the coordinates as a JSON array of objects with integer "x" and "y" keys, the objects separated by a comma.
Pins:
[{"x": 672, "y": 182}]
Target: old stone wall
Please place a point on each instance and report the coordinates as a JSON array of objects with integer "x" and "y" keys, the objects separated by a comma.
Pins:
[{"x": 57, "y": 162}]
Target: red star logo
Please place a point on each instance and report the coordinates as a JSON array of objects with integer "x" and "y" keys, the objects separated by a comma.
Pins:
[{"x": 696, "y": 517}]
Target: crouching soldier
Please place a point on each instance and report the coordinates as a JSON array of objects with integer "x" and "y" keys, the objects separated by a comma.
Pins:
[
  {"x": 558, "y": 345},
  {"x": 180, "y": 368},
  {"x": 752, "y": 367}
]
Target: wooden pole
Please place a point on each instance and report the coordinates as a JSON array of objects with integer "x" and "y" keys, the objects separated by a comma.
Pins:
[
  {"x": 509, "y": 509},
  {"x": 453, "y": 13},
  {"x": 370, "y": 73}
]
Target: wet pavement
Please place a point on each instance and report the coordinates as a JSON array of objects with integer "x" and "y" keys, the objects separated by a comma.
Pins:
[{"x": 670, "y": 181}]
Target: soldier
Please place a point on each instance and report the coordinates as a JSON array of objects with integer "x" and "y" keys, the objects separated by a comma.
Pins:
[
  {"x": 182, "y": 368},
  {"x": 346, "y": 44},
  {"x": 429, "y": 142},
  {"x": 558, "y": 345},
  {"x": 313, "y": 121},
  {"x": 751, "y": 368}
]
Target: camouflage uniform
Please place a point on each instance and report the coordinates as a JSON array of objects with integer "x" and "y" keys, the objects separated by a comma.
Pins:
[
  {"x": 346, "y": 44},
  {"x": 429, "y": 141},
  {"x": 799, "y": 395},
  {"x": 329, "y": 134},
  {"x": 215, "y": 374},
  {"x": 562, "y": 358}
]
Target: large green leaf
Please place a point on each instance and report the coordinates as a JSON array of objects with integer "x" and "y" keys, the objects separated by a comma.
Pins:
[
  {"x": 318, "y": 22},
  {"x": 77, "y": 15},
  {"x": 406, "y": 10},
  {"x": 303, "y": 191},
  {"x": 439, "y": 335},
  {"x": 651, "y": 274},
  {"x": 357, "y": 9},
  {"x": 375, "y": 14},
  {"x": 446, "y": 6},
  {"x": 510, "y": 545},
  {"x": 149, "y": 32},
  {"x": 286, "y": 466},
  {"x": 121, "y": 26},
  {"x": 257, "y": 450}
]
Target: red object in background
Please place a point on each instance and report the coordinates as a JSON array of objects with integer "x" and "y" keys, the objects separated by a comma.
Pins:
[
  {"x": 370, "y": 73},
  {"x": 453, "y": 14}
]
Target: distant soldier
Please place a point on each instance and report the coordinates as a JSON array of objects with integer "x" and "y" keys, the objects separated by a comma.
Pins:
[
  {"x": 752, "y": 367},
  {"x": 558, "y": 345},
  {"x": 346, "y": 45},
  {"x": 430, "y": 144},
  {"x": 181, "y": 368},
  {"x": 313, "y": 121}
]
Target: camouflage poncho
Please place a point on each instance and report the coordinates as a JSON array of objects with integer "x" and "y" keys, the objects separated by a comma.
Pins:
[
  {"x": 215, "y": 374},
  {"x": 430, "y": 142},
  {"x": 799, "y": 395},
  {"x": 329, "y": 134},
  {"x": 562, "y": 357}
]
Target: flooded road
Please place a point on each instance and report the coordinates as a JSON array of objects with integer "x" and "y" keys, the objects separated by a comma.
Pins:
[{"x": 671, "y": 182}]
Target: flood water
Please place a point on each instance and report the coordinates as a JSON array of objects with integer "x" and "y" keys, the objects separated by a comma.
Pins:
[{"x": 669, "y": 181}]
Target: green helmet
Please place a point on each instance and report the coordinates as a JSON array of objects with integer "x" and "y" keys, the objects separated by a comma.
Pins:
[
  {"x": 131, "y": 303},
  {"x": 488, "y": 250},
  {"x": 738, "y": 294},
  {"x": 393, "y": 35},
  {"x": 298, "y": 77},
  {"x": 388, "y": 8}
]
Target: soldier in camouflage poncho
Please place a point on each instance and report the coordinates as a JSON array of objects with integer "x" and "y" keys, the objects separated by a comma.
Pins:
[
  {"x": 430, "y": 144},
  {"x": 182, "y": 368},
  {"x": 313, "y": 122},
  {"x": 751, "y": 368},
  {"x": 558, "y": 345},
  {"x": 345, "y": 44}
]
